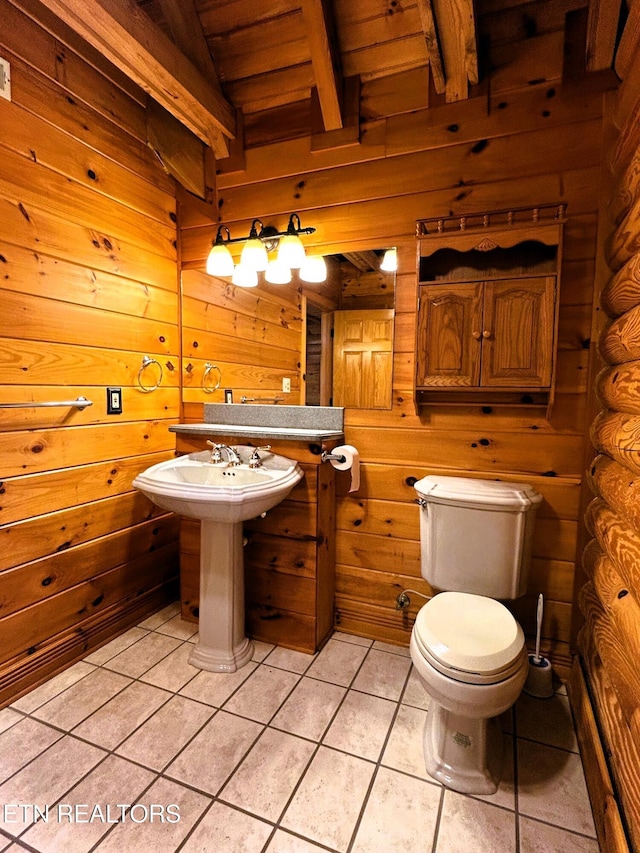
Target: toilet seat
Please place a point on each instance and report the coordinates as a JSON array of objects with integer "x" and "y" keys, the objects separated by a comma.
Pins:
[{"x": 470, "y": 638}]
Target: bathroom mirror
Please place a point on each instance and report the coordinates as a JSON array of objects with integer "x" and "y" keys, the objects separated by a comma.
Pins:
[{"x": 349, "y": 341}]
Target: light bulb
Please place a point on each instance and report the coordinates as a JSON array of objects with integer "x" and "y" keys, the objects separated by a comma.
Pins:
[
  {"x": 390, "y": 261},
  {"x": 244, "y": 276},
  {"x": 254, "y": 255},
  {"x": 291, "y": 251},
  {"x": 219, "y": 261},
  {"x": 277, "y": 273},
  {"x": 314, "y": 269}
]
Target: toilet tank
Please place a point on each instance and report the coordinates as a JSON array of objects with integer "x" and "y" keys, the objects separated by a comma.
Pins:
[{"x": 476, "y": 535}]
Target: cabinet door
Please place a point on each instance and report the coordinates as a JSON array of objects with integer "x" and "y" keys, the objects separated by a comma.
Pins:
[
  {"x": 449, "y": 335},
  {"x": 517, "y": 332}
]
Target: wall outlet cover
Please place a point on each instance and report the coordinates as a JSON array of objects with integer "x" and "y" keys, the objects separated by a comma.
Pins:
[{"x": 114, "y": 401}]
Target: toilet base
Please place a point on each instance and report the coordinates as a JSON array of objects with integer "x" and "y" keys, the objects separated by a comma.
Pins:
[{"x": 463, "y": 753}]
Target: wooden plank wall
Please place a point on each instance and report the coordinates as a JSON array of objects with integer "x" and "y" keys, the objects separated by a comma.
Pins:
[
  {"x": 606, "y": 678},
  {"x": 88, "y": 287},
  {"x": 524, "y": 143}
]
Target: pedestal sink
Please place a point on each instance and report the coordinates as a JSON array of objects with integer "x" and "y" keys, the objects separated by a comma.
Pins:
[{"x": 222, "y": 496}]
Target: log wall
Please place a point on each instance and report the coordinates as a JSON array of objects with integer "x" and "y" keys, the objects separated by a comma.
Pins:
[
  {"x": 605, "y": 679},
  {"x": 524, "y": 144},
  {"x": 88, "y": 287}
]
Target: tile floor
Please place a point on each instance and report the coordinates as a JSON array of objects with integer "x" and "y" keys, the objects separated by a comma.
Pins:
[{"x": 292, "y": 754}]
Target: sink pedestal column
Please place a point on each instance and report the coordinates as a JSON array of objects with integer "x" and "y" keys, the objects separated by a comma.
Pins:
[{"x": 222, "y": 643}]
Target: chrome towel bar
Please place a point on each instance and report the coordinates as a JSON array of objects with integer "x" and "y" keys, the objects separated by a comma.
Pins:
[{"x": 79, "y": 403}]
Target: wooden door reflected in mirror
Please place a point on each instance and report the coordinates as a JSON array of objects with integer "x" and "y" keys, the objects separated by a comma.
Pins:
[{"x": 349, "y": 334}]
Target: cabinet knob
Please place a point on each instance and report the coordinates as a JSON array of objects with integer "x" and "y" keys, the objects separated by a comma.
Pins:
[
  {"x": 476, "y": 336},
  {"x": 486, "y": 334}
]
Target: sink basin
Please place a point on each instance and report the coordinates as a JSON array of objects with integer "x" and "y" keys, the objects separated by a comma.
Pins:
[
  {"x": 222, "y": 497},
  {"x": 193, "y": 486}
]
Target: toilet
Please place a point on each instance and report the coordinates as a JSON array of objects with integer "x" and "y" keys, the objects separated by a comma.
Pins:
[{"x": 468, "y": 650}]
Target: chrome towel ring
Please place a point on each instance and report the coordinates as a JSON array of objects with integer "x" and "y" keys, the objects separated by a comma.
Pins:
[
  {"x": 209, "y": 368},
  {"x": 146, "y": 361}
]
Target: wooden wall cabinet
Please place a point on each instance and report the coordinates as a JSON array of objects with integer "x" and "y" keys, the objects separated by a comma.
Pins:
[{"x": 488, "y": 308}]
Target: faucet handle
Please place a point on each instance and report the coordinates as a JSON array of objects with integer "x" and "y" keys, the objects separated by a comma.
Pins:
[
  {"x": 254, "y": 460},
  {"x": 216, "y": 454}
]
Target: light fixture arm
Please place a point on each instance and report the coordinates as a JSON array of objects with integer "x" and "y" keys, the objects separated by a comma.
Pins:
[{"x": 266, "y": 233}]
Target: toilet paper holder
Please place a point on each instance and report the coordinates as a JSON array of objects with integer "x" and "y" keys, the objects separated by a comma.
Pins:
[{"x": 332, "y": 457}]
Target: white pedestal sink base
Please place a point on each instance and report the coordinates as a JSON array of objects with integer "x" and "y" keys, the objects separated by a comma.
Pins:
[{"x": 222, "y": 645}]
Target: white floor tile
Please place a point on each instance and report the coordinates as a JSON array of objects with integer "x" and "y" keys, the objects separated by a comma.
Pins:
[
  {"x": 80, "y": 700},
  {"x": 401, "y": 815},
  {"x": 262, "y": 693},
  {"x": 225, "y": 830},
  {"x": 47, "y": 778},
  {"x": 178, "y": 627},
  {"x": 21, "y": 743},
  {"x": 212, "y": 756},
  {"x": 472, "y": 826},
  {"x": 115, "y": 720},
  {"x": 173, "y": 671},
  {"x": 309, "y": 708},
  {"x": 538, "y": 837},
  {"x": 153, "y": 834},
  {"x": 382, "y": 674},
  {"x": 546, "y": 721},
  {"x": 53, "y": 687},
  {"x": 338, "y": 662},
  {"x": 161, "y": 738},
  {"x": 265, "y": 780},
  {"x": 140, "y": 657},
  {"x": 8, "y": 718},
  {"x": 110, "y": 650},
  {"x": 290, "y": 659},
  {"x": 404, "y": 749},
  {"x": 551, "y": 787},
  {"x": 214, "y": 688},
  {"x": 327, "y": 804},
  {"x": 285, "y": 842},
  {"x": 73, "y": 826},
  {"x": 361, "y": 725},
  {"x": 162, "y": 616}
]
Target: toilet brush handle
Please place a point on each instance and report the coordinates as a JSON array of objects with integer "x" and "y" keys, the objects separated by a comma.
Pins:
[{"x": 539, "y": 612}]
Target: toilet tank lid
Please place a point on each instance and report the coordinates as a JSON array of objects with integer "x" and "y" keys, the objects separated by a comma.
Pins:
[{"x": 468, "y": 491}]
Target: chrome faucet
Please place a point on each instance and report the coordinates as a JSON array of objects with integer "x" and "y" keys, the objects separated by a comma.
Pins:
[
  {"x": 233, "y": 457},
  {"x": 254, "y": 459}
]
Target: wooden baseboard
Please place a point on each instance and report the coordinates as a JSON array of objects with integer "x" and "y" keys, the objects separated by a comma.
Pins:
[
  {"x": 606, "y": 813},
  {"x": 19, "y": 676}
]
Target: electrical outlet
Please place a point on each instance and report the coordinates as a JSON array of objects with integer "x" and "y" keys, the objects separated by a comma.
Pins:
[
  {"x": 5, "y": 79},
  {"x": 114, "y": 401},
  {"x": 286, "y": 385}
]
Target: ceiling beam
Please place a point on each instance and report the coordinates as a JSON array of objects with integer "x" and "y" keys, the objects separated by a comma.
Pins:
[
  {"x": 455, "y": 23},
  {"x": 364, "y": 261},
  {"x": 602, "y": 30},
  {"x": 428, "y": 24},
  {"x": 186, "y": 31},
  {"x": 325, "y": 59},
  {"x": 125, "y": 35}
]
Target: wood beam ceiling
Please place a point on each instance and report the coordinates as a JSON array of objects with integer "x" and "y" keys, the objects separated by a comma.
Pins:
[
  {"x": 427, "y": 21},
  {"x": 325, "y": 60},
  {"x": 186, "y": 31},
  {"x": 602, "y": 30},
  {"x": 125, "y": 35},
  {"x": 450, "y": 35}
]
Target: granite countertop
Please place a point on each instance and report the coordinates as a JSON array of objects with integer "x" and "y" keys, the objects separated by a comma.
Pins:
[
  {"x": 247, "y": 431},
  {"x": 287, "y": 423}
]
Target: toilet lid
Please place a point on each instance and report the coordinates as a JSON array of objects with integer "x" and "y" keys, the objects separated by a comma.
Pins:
[{"x": 470, "y": 633}]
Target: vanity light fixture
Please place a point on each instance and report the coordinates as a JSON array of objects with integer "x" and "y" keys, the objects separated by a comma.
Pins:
[
  {"x": 260, "y": 241},
  {"x": 390, "y": 261}
]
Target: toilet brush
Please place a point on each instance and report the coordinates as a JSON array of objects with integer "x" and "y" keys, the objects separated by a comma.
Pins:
[{"x": 540, "y": 675}]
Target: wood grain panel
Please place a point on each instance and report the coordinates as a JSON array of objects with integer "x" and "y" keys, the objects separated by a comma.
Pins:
[{"x": 48, "y": 534}]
